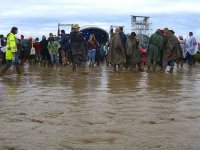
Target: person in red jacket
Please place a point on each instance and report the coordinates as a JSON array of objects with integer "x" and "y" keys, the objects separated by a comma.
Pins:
[{"x": 38, "y": 48}]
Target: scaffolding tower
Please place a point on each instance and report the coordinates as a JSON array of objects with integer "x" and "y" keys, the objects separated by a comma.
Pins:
[
  {"x": 61, "y": 25},
  {"x": 140, "y": 25}
]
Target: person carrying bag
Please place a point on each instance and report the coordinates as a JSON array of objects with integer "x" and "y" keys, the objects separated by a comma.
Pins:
[{"x": 11, "y": 52}]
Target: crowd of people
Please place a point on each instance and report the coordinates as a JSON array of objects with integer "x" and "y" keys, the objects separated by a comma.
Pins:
[
  {"x": 164, "y": 49},
  {"x": 121, "y": 51}
]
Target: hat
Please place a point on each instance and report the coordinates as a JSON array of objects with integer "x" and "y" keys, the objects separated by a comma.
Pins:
[
  {"x": 43, "y": 37},
  {"x": 160, "y": 31},
  {"x": 117, "y": 29},
  {"x": 30, "y": 38},
  {"x": 172, "y": 31},
  {"x": 133, "y": 34},
  {"x": 22, "y": 36},
  {"x": 180, "y": 37},
  {"x": 75, "y": 26}
]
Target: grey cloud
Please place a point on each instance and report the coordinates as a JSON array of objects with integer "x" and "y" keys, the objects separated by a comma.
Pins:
[{"x": 38, "y": 17}]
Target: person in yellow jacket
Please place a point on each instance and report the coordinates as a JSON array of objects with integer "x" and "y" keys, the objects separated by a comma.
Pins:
[{"x": 11, "y": 51}]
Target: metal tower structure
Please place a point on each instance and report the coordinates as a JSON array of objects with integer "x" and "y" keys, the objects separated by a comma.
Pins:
[
  {"x": 61, "y": 25},
  {"x": 140, "y": 25}
]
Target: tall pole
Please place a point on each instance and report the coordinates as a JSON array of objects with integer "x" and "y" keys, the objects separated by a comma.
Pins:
[{"x": 58, "y": 30}]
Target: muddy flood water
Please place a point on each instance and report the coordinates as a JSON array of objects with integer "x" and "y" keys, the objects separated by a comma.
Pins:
[{"x": 57, "y": 109}]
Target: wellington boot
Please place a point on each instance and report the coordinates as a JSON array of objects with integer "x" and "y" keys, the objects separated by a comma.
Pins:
[
  {"x": 73, "y": 67},
  {"x": 115, "y": 68},
  {"x": 171, "y": 69},
  {"x": 148, "y": 68},
  {"x": 154, "y": 67},
  {"x": 4, "y": 70},
  {"x": 92, "y": 64},
  {"x": 18, "y": 70}
]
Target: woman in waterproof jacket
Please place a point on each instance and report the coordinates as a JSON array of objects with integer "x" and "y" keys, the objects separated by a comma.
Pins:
[
  {"x": 133, "y": 52},
  {"x": 11, "y": 52},
  {"x": 53, "y": 47},
  {"x": 92, "y": 48},
  {"x": 38, "y": 48}
]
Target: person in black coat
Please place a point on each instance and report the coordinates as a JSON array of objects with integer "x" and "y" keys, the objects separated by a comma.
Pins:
[
  {"x": 77, "y": 43},
  {"x": 2, "y": 54},
  {"x": 44, "y": 51},
  {"x": 64, "y": 43}
]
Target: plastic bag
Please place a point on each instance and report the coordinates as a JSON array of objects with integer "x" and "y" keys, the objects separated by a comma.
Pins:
[
  {"x": 32, "y": 51},
  {"x": 3, "y": 49}
]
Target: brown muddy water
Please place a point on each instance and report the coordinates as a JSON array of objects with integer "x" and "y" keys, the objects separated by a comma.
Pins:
[{"x": 55, "y": 109}]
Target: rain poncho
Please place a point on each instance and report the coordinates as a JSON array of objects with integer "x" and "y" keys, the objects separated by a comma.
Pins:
[{"x": 191, "y": 45}]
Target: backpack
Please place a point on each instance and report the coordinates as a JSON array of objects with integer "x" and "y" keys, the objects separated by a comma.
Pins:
[{"x": 65, "y": 44}]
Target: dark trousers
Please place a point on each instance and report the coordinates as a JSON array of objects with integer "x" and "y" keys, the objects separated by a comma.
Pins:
[
  {"x": 3, "y": 60},
  {"x": 189, "y": 58},
  {"x": 9, "y": 64}
]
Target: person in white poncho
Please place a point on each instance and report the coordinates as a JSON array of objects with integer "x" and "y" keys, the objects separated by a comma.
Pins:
[{"x": 191, "y": 49}]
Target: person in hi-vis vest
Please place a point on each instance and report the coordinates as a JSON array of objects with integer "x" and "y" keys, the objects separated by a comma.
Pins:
[{"x": 11, "y": 51}]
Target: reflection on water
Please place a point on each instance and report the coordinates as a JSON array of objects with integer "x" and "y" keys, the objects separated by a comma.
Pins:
[{"x": 97, "y": 109}]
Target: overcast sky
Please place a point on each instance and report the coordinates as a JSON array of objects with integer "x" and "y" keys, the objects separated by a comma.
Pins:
[{"x": 37, "y": 17}]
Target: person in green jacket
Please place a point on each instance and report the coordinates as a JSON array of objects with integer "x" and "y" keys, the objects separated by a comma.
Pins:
[
  {"x": 156, "y": 43},
  {"x": 53, "y": 47},
  {"x": 11, "y": 51}
]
